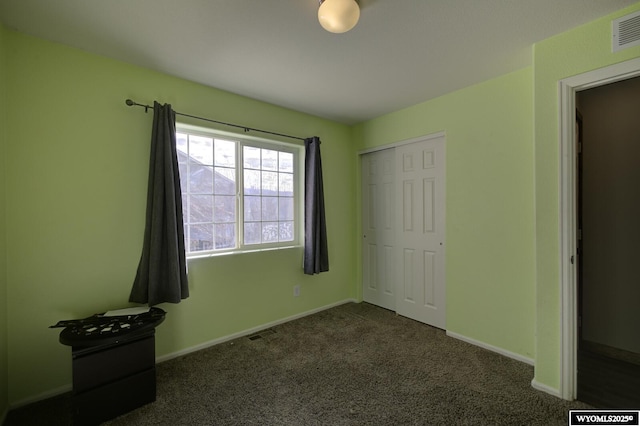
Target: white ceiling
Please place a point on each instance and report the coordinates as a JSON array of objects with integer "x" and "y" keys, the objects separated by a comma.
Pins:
[{"x": 402, "y": 52}]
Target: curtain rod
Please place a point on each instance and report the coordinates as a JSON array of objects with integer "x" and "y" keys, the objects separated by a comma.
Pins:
[{"x": 245, "y": 128}]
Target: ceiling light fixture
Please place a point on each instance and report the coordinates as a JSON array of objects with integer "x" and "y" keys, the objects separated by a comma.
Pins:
[{"x": 338, "y": 16}]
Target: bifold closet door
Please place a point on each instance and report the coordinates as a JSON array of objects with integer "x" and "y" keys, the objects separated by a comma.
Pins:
[
  {"x": 420, "y": 237},
  {"x": 378, "y": 225},
  {"x": 403, "y": 223}
]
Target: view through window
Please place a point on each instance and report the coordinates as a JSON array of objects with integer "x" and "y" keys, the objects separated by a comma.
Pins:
[{"x": 237, "y": 194}]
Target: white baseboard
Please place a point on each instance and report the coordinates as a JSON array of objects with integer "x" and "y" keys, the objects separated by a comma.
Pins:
[
  {"x": 42, "y": 396},
  {"x": 534, "y": 384},
  {"x": 249, "y": 331},
  {"x": 544, "y": 388},
  {"x": 68, "y": 388},
  {"x": 492, "y": 348}
]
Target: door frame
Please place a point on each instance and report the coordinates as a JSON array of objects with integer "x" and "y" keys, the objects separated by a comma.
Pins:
[
  {"x": 568, "y": 211},
  {"x": 403, "y": 142}
]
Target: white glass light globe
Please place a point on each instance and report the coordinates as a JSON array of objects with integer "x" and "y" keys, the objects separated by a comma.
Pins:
[{"x": 338, "y": 16}]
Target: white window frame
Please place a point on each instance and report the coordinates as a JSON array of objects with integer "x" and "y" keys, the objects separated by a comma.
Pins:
[{"x": 242, "y": 141}]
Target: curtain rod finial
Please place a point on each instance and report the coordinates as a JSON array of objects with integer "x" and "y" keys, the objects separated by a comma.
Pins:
[{"x": 129, "y": 102}]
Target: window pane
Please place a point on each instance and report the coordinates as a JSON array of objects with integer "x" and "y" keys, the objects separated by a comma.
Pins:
[
  {"x": 252, "y": 209},
  {"x": 225, "y": 153},
  {"x": 285, "y": 210},
  {"x": 251, "y": 182},
  {"x": 201, "y": 179},
  {"x": 269, "y": 160},
  {"x": 225, "y": 236},
  {"x": 286, "y": 162},
  {"x": 209, "y": 170},
  {"x": 251, "y": 157},
  {"x": 286, "y": 231},
  {"x": 269, "y": 183},
  {"x": 286, "y": 184},
  {"x": 181, "y": 145},
  {"x": 269, "y": 208},
  {"x": 225, "y": 181},
  {"x": 201, "y": 149},
  {"x": 225, "y": 209},
  {"x": 200, "y": 237},
  {"x": 252, "y": 233},
  {"x": 201, "y": 208},
  {"x": 269, "y": 232},
  {"x": 183, "y": 177}
]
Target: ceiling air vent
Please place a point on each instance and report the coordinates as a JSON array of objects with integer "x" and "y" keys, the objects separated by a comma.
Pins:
[{"x": 626, "y": 32}]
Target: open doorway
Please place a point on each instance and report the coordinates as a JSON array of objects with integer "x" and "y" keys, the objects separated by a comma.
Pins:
[
  {"x": 568, "y": 211},
  {"x": 608, "y": 231}
]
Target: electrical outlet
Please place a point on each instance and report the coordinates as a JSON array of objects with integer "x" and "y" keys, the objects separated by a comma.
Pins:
[{"x": 296, "y": 290}]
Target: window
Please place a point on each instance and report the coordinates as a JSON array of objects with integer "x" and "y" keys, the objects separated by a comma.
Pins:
[{"x": 237, "y": 193}]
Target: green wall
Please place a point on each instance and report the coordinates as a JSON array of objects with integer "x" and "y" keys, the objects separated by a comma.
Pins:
[
  {"x": 572, "y": 53},
  {"x": 74, "y": 188},
  {"x": 490, "y": 272},
  {"x": 4, "y": 350},
  {"x": 76, "y": 193}
]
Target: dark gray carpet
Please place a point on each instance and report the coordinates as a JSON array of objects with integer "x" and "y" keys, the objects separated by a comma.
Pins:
[{"x": 355, "y": 364}]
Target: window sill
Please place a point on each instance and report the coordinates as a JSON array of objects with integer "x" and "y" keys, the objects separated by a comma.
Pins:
[{"x": 235, "y": 252}]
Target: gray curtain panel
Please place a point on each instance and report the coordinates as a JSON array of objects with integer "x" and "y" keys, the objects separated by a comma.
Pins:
[
  {"x": 316, "y": 255},
  {"x": 162, "y": 271}
]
